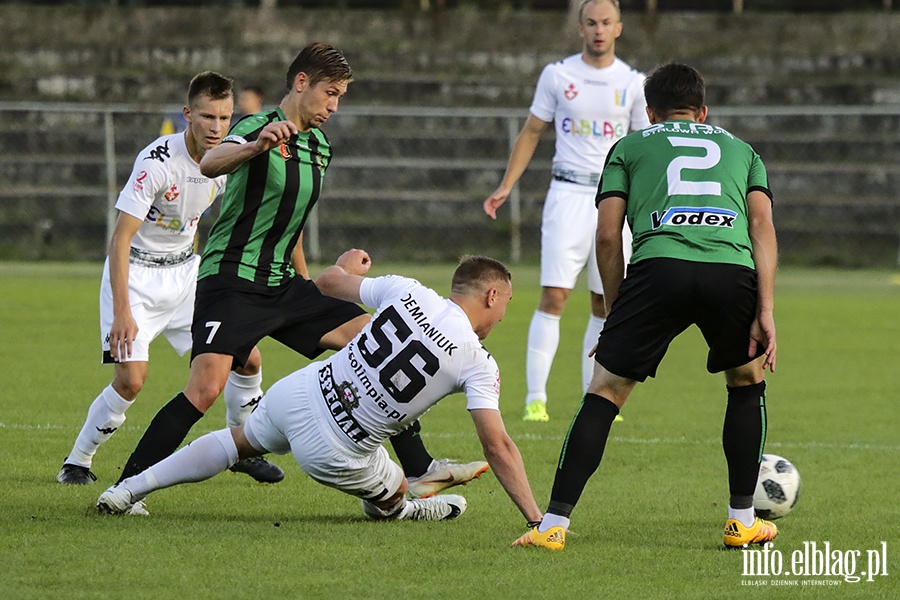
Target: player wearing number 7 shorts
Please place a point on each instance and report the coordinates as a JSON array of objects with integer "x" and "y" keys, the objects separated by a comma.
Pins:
[
  {"x": 334, "y": 415},
  {"x": 253, "y": 277}
]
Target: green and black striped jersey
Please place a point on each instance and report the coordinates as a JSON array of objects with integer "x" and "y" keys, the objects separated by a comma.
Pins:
[{"x": 266, "y": 203}]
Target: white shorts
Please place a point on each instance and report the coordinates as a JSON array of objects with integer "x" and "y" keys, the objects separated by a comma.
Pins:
[
  {"x": 569, "y": 237},
  {"x": 286, "y": 421},
  {"x": 162, "y": 301}
]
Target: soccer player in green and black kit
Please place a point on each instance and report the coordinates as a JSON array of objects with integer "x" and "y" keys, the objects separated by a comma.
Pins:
[
  {"x": 698, "y": 203},
  {"x": 247, "y": 287}
]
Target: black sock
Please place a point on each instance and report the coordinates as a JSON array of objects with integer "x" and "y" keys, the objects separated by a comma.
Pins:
[
  {"x": 743, "y": 439},
  {"x": 410, "y": 451},
  {"x": 166, "y": 431},
  {"x": 581, "y": 452}
]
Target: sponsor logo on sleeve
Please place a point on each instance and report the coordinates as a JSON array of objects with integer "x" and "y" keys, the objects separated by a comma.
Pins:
[{"x": 160, "y": 153}]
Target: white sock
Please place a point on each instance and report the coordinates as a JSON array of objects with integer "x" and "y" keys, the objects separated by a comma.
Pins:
[
  {"x": 105, "y": 416},
  {"x": 206, "y": 456},
  {"x": 543, "y": 340},
  {"x": 551, "y": 520},
  {"x": 591, "y": 333},
  {"x": 379, "y": 514},
  {"x": 746, "y": 516},
  {"x": 242, "y": 394}
]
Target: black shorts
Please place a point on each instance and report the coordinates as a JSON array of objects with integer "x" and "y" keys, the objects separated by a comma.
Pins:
[
  {"x": 232, "y": 314},
  {"x": 661, "y": 297}
]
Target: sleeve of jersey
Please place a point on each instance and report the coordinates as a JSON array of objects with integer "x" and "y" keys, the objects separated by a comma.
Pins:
[
  {"x": 146, "y": 180},
  {"x": 758, "y": 180},
  {"x": 246, "y": 130},
  {"x": 639, "y": 118},
  {"x": 481, "y": 380},
  {"x": 614, "y": 179},
  {"x": 544, "y": 104},
  {"x": 376, "y": 292}
]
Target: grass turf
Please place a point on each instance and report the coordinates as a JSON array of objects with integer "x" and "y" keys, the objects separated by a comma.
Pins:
[{"x": 649, "y": 521}]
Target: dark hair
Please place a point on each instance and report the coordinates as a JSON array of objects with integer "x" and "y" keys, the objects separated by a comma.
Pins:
[
  {"x": 674, "y": 87},
  {"x": 256, "y": 89},
  {"x": 478, "y": 272},
  {"x": 320, "y": 62},
  {"x": 212, "y": 84}
]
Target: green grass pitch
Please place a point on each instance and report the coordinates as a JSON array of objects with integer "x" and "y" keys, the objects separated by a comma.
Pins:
[{"x": 648, "y": 525}]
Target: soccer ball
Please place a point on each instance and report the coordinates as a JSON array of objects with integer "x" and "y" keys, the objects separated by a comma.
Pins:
[{"x": 777, "y": 489}]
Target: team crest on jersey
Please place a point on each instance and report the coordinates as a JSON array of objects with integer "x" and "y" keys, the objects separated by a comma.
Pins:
[
  {"x": 349, "y": 396},
  {"x": 320, "y": 162},
  {"x": 570, "y": 93},
  {"x": 285, "y": 152},
  {"x": 172, "y": 194},
  {"x": 139, "y": 181}
]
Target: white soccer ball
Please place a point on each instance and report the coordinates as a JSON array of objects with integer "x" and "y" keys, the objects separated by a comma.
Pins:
[{"x": 777, "y": 488}]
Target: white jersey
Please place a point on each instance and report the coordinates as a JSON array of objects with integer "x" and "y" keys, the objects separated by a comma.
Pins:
[
  {"x": 591, "y": 109},
  {"x": 167, "y": 191},
  {"x": 418, "y": 348}
]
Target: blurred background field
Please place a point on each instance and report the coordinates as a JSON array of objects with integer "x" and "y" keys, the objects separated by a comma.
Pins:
[{"x": 649, "y": 523}]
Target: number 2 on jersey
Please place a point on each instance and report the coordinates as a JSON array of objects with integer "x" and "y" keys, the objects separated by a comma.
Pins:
[
  {"x": 400, "y": 376},
  {"x": 678, "y": 186}
]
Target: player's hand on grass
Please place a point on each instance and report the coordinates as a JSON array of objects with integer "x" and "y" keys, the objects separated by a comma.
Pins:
[{"x": 762, "y": 334}]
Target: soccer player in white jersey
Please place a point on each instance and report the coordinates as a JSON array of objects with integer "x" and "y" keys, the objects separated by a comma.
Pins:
[
  {"x": 593, "y": 99},
  {"x": 334, "y": 415},
  {"x": 150, "y": 274}
]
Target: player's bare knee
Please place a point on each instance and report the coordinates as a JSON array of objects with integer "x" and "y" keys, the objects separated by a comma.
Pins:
[
  {"x": 553, "y": 300},
  {"x": 129, "y": 380},
  {"x": 202, "y": 394},
  {"x": 749, "y": 374},
  {"x": 253, "y": 364}
]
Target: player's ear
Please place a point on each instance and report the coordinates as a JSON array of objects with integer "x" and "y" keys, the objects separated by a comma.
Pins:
[
  {"x": 186, "y": 112},
  {"x": 702, "y": 114},
  {"x": 301, "y": 81},
  {"x": 491, "y": 296}
]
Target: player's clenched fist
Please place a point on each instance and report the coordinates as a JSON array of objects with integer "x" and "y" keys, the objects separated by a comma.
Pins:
[{"x": 275, "y": 134}]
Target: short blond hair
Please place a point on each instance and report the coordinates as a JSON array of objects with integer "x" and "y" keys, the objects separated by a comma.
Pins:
[{"x": 581, "y": 8}]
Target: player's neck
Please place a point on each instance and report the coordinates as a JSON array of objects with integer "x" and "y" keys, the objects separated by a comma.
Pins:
[
  {"x": 195, "y": 151},
  {"x": 294, "y": 115},
  {"x": 600, "y": 61}
]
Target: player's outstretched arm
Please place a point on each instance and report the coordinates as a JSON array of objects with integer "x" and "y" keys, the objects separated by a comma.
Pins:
[
  {"x": 342, "y": 280},
  {"x": 505, "y": 460},
  {"x": 765, "y": 257},
  {"x": 522, "y": 151},
  {"x": 228, "y": 156}
]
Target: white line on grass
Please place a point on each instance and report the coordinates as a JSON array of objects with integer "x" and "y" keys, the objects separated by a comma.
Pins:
[{"x": 538, "y": 437}]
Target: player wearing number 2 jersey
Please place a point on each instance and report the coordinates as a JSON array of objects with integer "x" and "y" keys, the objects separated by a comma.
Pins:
[
  {"x": 334, "y": 415},
  {"x": 698, "y": 202}
]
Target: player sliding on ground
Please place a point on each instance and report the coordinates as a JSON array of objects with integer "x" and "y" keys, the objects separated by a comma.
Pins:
[{"x": 335, "y": 414}]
